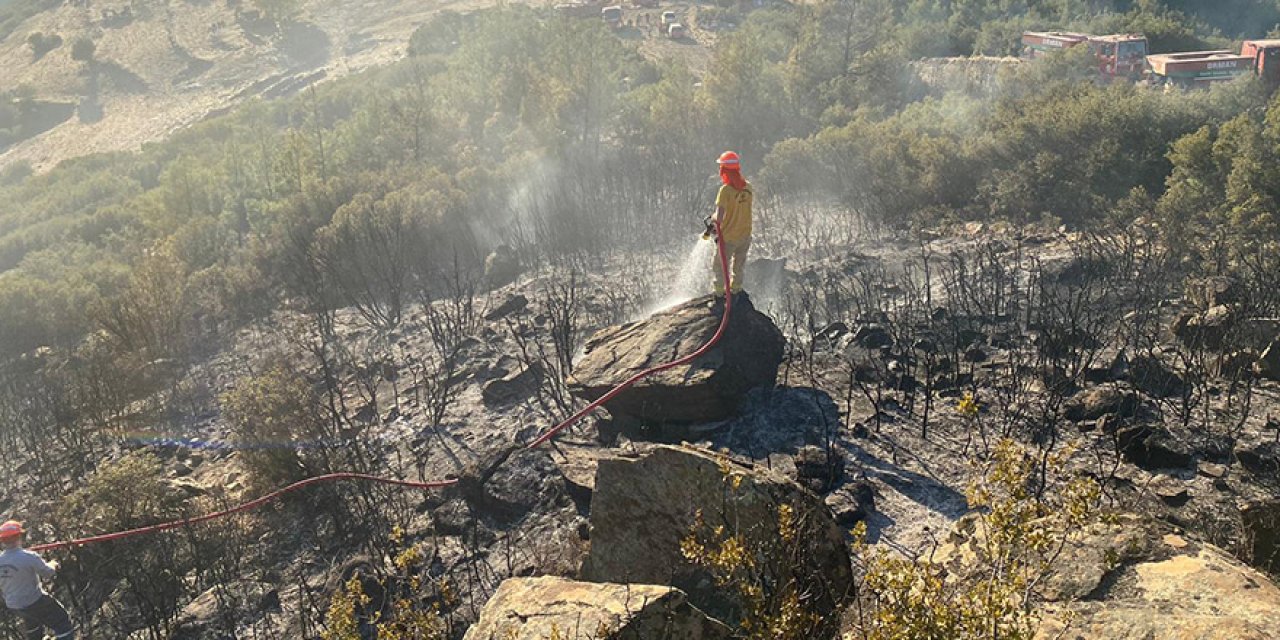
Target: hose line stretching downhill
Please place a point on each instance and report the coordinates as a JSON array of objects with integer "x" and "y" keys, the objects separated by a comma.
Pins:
[{"x": 438, "y": 484}]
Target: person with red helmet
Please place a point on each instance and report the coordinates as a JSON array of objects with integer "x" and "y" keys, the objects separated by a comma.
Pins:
[
  {"x": 733, "y": 211},
  {"x": 20, "y": 574}
]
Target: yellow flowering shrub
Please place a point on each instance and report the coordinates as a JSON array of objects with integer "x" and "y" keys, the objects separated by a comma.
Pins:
[
  {"x": 404, "y": 618},
  {"x": 1015, "y": 540},
  {"x": 773, "y": 607}
]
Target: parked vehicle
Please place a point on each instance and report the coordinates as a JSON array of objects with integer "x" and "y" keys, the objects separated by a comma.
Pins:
[
  {"x": 1124, "y": 57},
  {"x": 1120, "y": 56},
  {"x": 1264, "y": 57},
  {"x": 1197, "y": 68},
  {"x": 1201, "y": 68},
  {"x": 612, "y": 15}
]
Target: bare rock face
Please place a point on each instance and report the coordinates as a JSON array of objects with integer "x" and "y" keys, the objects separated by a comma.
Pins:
[
  {"x": 643, "y": 508},
  {"x": 550, "y": 607},
  {"x": 501, "y": 267},
  {"x": 1268, "y": 365},
  {"x": 513, "y": 387},
  {"x": 1262, "y": 533},
  {"x": 705, "y": 390},
  {"x": 1213, "y": 291},
  {"x": 1153, "y": 447},
  {"x": 1133, "y": 579},
  {"x": 1094, "y": 403},
  {"x": 206, "y": 615}
]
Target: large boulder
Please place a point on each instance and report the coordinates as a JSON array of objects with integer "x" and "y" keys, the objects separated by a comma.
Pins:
[
  {"x": 550, "y": 607},
  {"x": 1154, "y": 377},
  {"x": 501, "y": 267},
  {"x": 1132, "y": 578},
  {"x": 1208, "y": 329},
  {"x": 707, "y": 389},
  {"x": 527, "y": 481},
  {"x": 1153, "y": 447},
  {"x": 513, "y": 387},
  {"x": 1149, "y": 583},
  {"x": 1213, "y": 291},
  {"x": 643, "y": 508},
  {"x": 213, "y": 612},
  {"x": 1094, "y": 403},
  {"x": 1259, "y": 458}
]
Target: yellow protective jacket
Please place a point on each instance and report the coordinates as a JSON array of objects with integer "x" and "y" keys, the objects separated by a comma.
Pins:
[{"x": 735, "y": 222}]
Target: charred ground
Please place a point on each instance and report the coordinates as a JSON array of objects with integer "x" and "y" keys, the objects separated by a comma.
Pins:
[{"x": 394, "y": 273}]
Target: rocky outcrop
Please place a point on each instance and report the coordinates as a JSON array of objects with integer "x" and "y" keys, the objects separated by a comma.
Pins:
[
  {"x": 1261, "y": 522},
  {"x": 209, "y": 613},
  {"x": 1133, "y": 578},
  {"x": 1154, "y": 377},
  {"x": 707, "y": 389},
  {"x": 1182, "y": 591},
  {"x": 513, "y": 387},
  {"x": 501, "y": 267},
  {"x": 1094, "y": 403},
  {"x": 550, "y": 607},
  {"x": 1153, "y": 447},
  {"x": 643, "y": 508},
  {"x": 1207, "y": 329},
  {"x": 1213, "y": 291}
]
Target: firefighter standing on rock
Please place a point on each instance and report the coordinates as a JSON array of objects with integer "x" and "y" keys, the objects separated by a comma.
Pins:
[{"x": 733, "y": 212}]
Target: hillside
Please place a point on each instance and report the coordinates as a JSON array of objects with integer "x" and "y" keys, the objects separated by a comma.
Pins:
[
  {"x": 428, "y": 349},
  {"x": 160, "y": 66}
]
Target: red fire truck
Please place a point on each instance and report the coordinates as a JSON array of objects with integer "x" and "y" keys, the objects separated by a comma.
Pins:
[
  {"x": 1119, "y": 55},
  {"x": 1202, "y": 68},
  {"x": 1264, "y": 56},
  {"x": 1197, "y": 68}
]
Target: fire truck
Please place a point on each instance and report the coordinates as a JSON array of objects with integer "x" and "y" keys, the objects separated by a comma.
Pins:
[
  {"x": 1202, "y": 68},
  {"x": 1124, "y": 56},
  {"x": 1264, "y": 56},
  {"x": 1120, "y": 56},
  {"x": 1197, "y": 68}
]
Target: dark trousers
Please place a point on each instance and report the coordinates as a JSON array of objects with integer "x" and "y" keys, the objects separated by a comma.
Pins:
[{"x": 47, "y": 613}]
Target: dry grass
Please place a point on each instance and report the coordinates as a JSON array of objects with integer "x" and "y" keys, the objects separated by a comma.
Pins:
[{"x": 194, "y": 59}]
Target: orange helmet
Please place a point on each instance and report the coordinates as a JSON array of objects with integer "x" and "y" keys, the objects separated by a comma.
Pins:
[
  {"x": 10, "y": 530},
  {"x": 729, "y": 159}
]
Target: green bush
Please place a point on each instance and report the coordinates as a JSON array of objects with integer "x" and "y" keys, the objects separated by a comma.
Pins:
[
  {"x": 1018, "y": 538},
  {"x": 41, "y": 44},
  {"x": 148, "y": 579},
  {"x": 281, "y": 421},
  {"x": 123, "y": 494},
  {"x": 82, "y": 49}
]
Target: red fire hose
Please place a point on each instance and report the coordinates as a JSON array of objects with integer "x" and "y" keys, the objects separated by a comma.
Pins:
[
  {"x": 333, "y": 477},
  {"x": 252, "y": 504},
  {"x": 724, "y": 322}
]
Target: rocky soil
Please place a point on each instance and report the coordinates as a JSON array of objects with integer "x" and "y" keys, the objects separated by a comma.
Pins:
[{"x": 831, "y": 424}]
